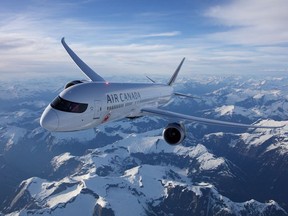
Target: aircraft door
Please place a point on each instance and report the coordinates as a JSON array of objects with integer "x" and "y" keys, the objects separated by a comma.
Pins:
[{"x": 97, "y": 109}]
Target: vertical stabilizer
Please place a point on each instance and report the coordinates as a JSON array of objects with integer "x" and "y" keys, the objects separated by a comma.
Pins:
[{"x": 173, "y": 78}]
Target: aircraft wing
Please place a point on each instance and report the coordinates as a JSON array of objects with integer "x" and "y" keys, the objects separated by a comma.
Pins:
[
  {"x": 179, "y": 116},
  {"x": 92, "y": 75}
]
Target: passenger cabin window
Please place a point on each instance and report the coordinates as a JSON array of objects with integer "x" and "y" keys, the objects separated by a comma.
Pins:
[{"x": 68, "y": 106}]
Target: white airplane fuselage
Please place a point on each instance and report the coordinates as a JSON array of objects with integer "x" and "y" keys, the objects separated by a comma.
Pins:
[{"x": 89, "y": 104}]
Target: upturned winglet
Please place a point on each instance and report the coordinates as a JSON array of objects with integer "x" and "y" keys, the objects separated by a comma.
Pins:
[{"x": 91, "y": 74}]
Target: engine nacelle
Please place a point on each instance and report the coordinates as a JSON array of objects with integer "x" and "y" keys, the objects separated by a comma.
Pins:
[
  {"x": 174, "y": 133},
  {"x": 75, "y": 82}
]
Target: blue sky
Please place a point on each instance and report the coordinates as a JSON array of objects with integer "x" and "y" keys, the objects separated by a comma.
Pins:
[{"x": 143, "y": 37}]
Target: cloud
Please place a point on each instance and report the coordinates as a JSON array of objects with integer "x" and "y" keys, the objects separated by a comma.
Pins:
[
  {"x": 163, "y": 34},
  {"x": 30, "y": 41},
  {"x": 251, "y": 22},
  {"x": 30, "y": 46}
]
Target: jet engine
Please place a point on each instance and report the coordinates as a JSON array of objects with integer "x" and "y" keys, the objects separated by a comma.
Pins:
[
  {"x": 174, "y": 133},
  {"x": 74, "y": 82}
]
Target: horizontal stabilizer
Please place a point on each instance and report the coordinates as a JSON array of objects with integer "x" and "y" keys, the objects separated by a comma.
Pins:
[
  {"x": 92, "y": 75},
  {"x": 151, "y": 79},
  {"x": 186, "y": 95}
]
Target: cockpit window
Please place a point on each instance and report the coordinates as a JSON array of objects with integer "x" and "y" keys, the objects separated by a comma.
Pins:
[{"x": 68, "y": 106}]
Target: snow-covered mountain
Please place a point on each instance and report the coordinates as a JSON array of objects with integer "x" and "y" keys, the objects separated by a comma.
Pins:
[{"x": 125, "y": 168}]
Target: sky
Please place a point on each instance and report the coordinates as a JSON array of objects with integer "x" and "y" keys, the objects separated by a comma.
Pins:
[{"x": 137, "y": 37}]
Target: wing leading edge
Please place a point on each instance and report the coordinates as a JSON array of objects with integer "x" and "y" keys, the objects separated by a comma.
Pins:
[
  {"x": 179, "y": 116},
  {"x": 92, "y": 75}
]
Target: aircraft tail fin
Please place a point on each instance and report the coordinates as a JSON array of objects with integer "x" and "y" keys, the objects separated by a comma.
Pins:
[{"x": 174, "y": 76}]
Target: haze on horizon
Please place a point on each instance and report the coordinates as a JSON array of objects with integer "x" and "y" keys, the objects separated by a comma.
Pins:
[{"x": 137, "y": 37}]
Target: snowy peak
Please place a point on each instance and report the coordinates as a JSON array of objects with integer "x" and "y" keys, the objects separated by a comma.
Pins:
[{"x": 216, "y": 171}]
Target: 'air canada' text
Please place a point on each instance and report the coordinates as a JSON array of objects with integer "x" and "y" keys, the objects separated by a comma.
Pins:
[{"x": 123, "y": 97}]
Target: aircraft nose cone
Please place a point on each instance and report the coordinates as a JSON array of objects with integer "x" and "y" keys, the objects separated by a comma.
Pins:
[{"x": 49, "y": 120}]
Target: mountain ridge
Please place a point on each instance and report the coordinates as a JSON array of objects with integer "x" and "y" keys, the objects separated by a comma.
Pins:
[{"x": 127, "y": 162}]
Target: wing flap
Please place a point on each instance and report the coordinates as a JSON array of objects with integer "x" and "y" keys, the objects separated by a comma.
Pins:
[
  {"x": 92, "y": 75},
  {"x": 179, "y": 116}
]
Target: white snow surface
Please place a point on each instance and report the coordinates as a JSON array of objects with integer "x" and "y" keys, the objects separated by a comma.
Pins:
[
  {"x": 260, "y": 136},
  {"x": 225, "y": 110},
  {"x": 132, "y": 187},
  {"x": 13, "y": 135},
  {"x": 135, "y": 186},
  {"x": 57, "y": 161}
]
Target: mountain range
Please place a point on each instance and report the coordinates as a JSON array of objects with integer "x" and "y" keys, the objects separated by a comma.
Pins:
[{"x": 125, "y": 167}]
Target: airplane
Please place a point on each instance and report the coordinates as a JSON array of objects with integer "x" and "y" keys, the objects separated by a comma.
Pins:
[{"x": 85, "y": 104}]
